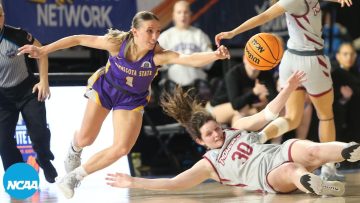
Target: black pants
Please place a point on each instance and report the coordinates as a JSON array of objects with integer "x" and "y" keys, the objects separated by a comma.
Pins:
[{"x": 20, "y": 99}]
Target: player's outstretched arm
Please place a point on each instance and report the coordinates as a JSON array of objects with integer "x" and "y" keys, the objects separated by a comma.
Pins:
[
  {"x": 201, "y": 171},
  {"x": 271, "y": 13},
  {"x": 198, "y": 59},
  {"x": 92, "y": 41},
  {"x": 272, "y": 110}
]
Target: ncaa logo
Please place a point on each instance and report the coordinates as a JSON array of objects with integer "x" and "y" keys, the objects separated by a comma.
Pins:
[{"x": 21, "y": 181}]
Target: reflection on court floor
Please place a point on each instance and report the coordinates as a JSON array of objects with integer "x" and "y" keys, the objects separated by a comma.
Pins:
[{"x": 94, "y": 189}]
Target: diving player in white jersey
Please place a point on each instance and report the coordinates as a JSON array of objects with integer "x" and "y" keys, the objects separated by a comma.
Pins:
[
  {"x": 235, "y": 157},
  {"x": 305, "y": 53}
]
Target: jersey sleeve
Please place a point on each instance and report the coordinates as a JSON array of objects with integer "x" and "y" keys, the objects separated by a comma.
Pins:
[{"x": 25, "y": 37}]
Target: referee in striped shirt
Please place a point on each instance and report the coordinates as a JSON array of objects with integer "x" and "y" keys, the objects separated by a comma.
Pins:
[{"x": 21, "y": 92}]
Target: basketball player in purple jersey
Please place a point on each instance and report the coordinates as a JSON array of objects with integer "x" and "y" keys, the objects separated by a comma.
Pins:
[
  {"x": 305, "y": 52},
  {"x": 122, "y": 86},
  {"x": 236, "y": 157}
]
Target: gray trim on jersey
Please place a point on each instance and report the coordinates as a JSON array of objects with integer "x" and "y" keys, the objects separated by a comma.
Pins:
[{"x": 13, "y": 69}]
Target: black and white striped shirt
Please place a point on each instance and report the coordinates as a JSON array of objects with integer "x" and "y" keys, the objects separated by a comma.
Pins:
[{"x": 13, "y": 68}]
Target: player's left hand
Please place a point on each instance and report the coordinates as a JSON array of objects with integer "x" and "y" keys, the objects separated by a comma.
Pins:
[
  {"x": 222, "y": 52},
  {"x": 43, "y": 90},
  {"x": 343, "y": 2},
  {"x": 296, "y": 79}
]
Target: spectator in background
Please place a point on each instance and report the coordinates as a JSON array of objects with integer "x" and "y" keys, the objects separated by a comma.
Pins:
[
  {"x": 346, "y": 80},
  {"x": 339, "y": 35},
  {"x": 244, "y": 92},
  {"x": 21, "y": 92},
  {"x": 185, "y": 39}
]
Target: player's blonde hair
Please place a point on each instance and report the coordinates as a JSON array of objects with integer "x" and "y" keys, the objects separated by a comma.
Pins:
[
  {"x": 118, "y": 36},
  {"x": 186, "y": 110}
]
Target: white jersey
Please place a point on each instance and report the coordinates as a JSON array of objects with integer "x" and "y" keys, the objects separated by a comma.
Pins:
[
  {"x": 185, "y": 41},
  {"x": 304, "y": 24},
  {"x": 243, "y": 161}
]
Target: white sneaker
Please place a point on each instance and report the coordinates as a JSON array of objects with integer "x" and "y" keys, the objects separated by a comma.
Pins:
[
  {"x": 68, "y": 183},
  {"x": 329, "y": 173},
  {"x": 352, "y": 152},
  {"x": 315, "y": 185},
  {"x": 72, "y": 160}
]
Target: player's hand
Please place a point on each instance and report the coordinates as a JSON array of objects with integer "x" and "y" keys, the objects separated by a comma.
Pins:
[
  {"x": 296, "y": 79},
  {"x": 222, "y": 52},
  {"x": 347, "y": 2},
  {"x": 43, "y": 90},
  {"x": 119, "y": 180},
  {"x": 32, "y": 50},
  {"x": 223, "y": 35}
]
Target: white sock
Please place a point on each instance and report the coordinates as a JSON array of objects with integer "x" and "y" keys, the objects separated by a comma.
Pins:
[
  {"x": 81, "y": 171},
  {"x": 75, "y": 148}
]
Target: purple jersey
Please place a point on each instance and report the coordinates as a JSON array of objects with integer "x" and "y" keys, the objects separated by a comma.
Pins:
[
  {"x": 123, "y": 84},
  {"x": 134, "y": 77}
]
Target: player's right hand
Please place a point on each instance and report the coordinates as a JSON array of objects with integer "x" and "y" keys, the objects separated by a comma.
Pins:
[
  {"x": 343, "y": 2},
  {"x": 32, "y": 50},
  {"x": 121, "y": 180},
  {"x": 223, "y": 35}
]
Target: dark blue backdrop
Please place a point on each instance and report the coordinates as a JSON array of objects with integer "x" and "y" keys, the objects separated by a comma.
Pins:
[{"x": 49, "y": 21}]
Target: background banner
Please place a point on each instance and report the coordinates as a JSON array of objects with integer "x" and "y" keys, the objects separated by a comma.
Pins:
[{"x": 49, "y": 20}]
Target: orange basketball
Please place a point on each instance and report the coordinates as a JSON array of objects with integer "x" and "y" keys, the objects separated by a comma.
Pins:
[{"x": 264, "y": 51}]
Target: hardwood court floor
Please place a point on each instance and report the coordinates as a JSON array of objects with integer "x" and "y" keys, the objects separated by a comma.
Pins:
[{"x": 96, "y": 191}]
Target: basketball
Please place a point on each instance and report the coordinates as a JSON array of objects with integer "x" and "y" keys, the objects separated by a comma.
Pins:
[{"x": 264, "y": 51}]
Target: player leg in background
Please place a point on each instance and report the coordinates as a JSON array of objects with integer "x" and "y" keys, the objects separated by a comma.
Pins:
[
  {"x": 324, "y": 109},
  {"x": 293, "y": 115},
  {"x": 302, "y": 131}
]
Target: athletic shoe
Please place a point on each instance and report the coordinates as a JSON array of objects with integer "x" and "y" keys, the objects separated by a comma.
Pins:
[
  {"x": 352, "y": 152},
  {"x": 49, "y": 170},
  {"x": 315, "y": 185},
  {"x": 72, "y": 160},
  {"x": 68, "y": 184}
]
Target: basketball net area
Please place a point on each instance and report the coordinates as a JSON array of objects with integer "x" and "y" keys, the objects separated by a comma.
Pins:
[{"x": 65, "y": 110}]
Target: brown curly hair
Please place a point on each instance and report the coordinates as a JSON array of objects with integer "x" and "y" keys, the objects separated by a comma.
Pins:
[{"x": 186, "y": 110}]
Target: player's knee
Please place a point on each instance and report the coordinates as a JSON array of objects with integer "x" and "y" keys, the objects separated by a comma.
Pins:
[
  {"x": 118, "y": 151},
  {"x": 325, "y": 114},
  {"x": 311, "y": 155},
  {"x": 290, "y": 167}
]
